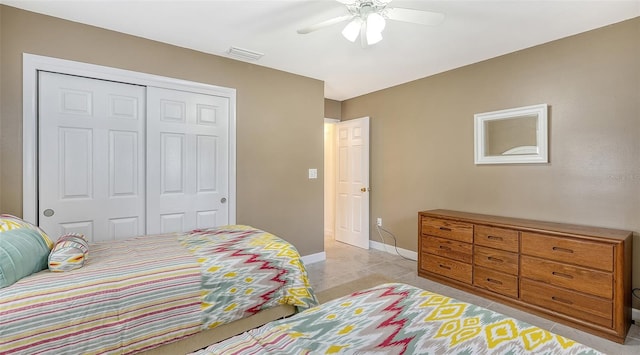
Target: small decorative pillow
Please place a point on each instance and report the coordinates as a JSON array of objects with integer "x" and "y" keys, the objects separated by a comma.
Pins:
[
  {"x": 24, "y": 249},
  {"x": 70, "y": 252}
]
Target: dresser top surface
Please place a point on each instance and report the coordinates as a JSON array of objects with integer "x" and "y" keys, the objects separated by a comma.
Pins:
[{"x": 529, "y": 225}]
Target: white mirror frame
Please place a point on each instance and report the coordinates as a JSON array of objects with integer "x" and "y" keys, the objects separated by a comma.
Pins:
[{"x": 541, "y": 156}]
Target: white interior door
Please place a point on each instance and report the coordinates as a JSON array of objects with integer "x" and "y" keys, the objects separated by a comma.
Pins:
[
  {"x": 187, "y": 150},
  {"x": 352, "y": 182},
  {"x": 91, "y": 157}
]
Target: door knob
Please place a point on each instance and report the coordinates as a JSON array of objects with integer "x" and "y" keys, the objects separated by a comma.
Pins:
[
  {"x": 223, "y": 200},
  {"x": 364, "y": 189},
  {"x": 48, "y": 212}
]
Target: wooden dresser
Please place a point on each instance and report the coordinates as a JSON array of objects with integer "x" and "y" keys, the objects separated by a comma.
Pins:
[{"x": 576, "y": 275}]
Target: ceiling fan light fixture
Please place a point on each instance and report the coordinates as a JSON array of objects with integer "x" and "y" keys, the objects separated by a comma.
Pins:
[
  {"x": 375, "y": 22},
  {"x": 367, "y": 19},
  {"x": 375, "y": 25},
  {"x": 373, "y": 37},
  {"x": 352, "y": 30}
]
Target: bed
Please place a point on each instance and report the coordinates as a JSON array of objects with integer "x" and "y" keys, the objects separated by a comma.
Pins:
[
  {"x": 396, "y": 318},
  {"x": 137, "y": 294}
]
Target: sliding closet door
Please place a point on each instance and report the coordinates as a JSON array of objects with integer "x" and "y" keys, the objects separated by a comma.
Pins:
[
  {"x": 91, "y": 157},
  {"x": 187, "y": 160}
]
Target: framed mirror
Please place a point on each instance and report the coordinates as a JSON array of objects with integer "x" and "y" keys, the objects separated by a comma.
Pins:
[{"x": 513, "y": 136}]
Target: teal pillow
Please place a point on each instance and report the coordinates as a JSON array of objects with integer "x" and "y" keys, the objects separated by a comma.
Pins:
[{"x": 23, "y": 251}]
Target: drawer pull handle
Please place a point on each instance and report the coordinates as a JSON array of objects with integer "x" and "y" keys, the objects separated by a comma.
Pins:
[
  {"x": 566, "y": 276},
  {"x": 445, "y": 248},
  {"x": 491, "y": 258},
  {"x": 497, "y": 282},
  {"x": 564, "y": 250},
  {"x": 561, "y": 300},
  {"x": 493, "y": 237},
  {"x": 445, "y": 267},
  {"x": 445, "y": 229}
]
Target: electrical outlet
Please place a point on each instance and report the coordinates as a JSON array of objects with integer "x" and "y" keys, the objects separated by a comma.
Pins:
[{"x": 379, "y": 222}]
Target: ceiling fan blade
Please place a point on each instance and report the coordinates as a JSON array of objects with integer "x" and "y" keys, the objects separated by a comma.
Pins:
[
  {"x": 323, "y": 24},
  {"x": 420, "y": 17}
]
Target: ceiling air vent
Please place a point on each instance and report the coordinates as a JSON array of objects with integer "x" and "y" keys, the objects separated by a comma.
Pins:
[{"x": 242, "y": 53}]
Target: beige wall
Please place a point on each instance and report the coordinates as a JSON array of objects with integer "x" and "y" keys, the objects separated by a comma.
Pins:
[
  {"x": 1, "y": 37},
  {"x": 332, "y": 109},
  {"x": 422, "y": 137},
  {"x": 279, "y": 117}
]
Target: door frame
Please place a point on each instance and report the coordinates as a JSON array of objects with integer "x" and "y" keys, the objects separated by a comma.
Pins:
[
  {"x": 329, "y": 179},
  {"x": 31, "y": 64}
]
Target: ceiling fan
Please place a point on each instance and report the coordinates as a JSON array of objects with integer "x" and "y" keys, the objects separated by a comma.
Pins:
[{"x": 368, "y": 19}]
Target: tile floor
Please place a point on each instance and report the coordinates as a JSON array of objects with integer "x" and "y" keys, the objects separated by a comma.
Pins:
[{"x": 346, "y": 263}]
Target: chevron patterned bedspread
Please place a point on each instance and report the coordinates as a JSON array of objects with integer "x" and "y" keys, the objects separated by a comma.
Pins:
[
  {"x": 398, "y": 319},
  {"x": 245, "y": 270},
  {"x": 138, "y": 293}
]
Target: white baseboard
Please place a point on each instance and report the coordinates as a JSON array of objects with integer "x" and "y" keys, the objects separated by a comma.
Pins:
[
  {"x": 635, "y": 314},
  {"x": 391, "y": 250},
  {"x": 314, "y": 258}
]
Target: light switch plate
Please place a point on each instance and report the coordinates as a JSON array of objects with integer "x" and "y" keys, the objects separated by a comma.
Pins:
[{"x": 313, "y": 173}]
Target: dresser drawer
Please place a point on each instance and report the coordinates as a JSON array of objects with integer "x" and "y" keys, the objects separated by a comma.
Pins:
[
  {"x": 499, "y": 260},
  {"x": 448, "y": 248},
  {"x": 592, "y": 309},
  {"x": 447, "y": 267},
  {"x": 576, "y": 278},
  {"x": 496, "y": 281},
  {"x": 578, "y": 252},
  {"x": 447, "y": 229},
  {"x": 497, "y": 238}
]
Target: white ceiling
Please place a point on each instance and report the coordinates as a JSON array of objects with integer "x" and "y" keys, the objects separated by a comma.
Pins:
[{"x": 471, "y": 32}]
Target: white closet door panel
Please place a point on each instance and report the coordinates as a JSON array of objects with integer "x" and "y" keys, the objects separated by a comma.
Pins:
[
  {"x": 205, "y": 219},
  {"x": 81, "y": 227},
  {"x": 124, "y": 168},
  {"x": 76, "y": 163},
  {"x": 123, "y": 227},
  {"x": 91, "y": 157},
  {"x": 172, "y": 222},
  {"x": 125, "y": 107},
  {"x": 173, "y": 162},
  {"x": 187, "y": 145},
  {"x": 206, "y": 164}
]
